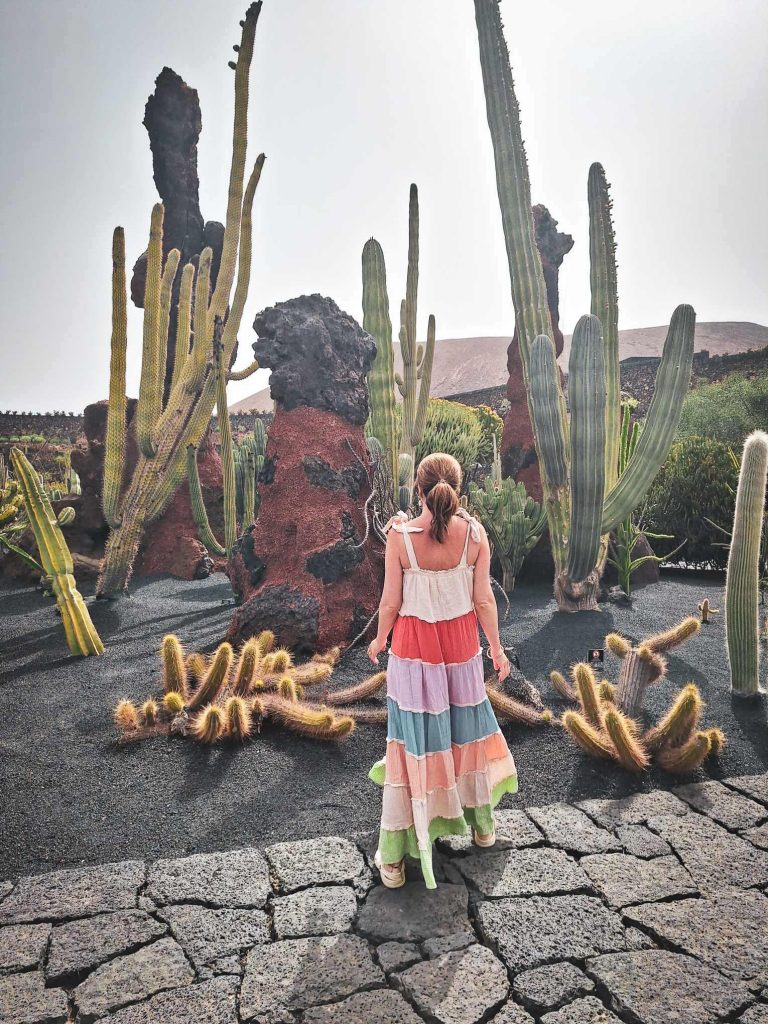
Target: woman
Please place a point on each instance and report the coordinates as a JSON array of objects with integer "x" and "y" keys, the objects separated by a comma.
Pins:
[{"x": 447, "y": 763}]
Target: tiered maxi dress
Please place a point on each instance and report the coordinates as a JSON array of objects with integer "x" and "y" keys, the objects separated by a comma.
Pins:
[{"x": 447, "y": 763}]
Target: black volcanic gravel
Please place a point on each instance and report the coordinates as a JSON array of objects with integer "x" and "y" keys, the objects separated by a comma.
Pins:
[{"x": 70, "y": 795}]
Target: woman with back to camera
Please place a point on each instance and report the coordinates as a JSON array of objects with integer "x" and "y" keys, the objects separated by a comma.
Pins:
[{"x": 447, "y": 763}]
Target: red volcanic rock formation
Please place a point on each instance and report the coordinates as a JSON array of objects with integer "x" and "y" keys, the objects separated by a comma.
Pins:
[
  {"x": 302, "y": 570},
  {"x": 517, "y": 449}
]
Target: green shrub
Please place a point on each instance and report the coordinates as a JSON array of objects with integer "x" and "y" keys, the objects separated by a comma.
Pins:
[
  {"x": 492, "y": 426},
  {"x": 696, "y": 483},
  {"x": 453, "y": 428},
  {"x": 727, "y": 409}
]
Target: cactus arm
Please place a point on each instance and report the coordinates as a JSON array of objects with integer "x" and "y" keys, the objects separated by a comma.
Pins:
[
  {"x": 672, "y": 381},
  {"x": 412, "y": 273},
  {"x": 605, "y": 306},
  {"x": 56, "y": 560},
  {"x": 382, "y": 423},
  {"x": 233, "y": 222},
  {"x": 742, "y": 624},
  {"x": 194, "y": 369},
  {"x": 183, "y": 322},
  {"x": 587, "y": 399},
  {"x": 225, "y": 443},
  {"x": 204, "y": 531},
  {"x": 546, "y": 413},
  {"x": 245, "y": 373},
  {"x": 426, "y": 359},
  {"x": 166, "y": 299},
  {"x": 150, "y": 387},
  {"x": 114, "y": 445},
  {"x": 249, "y": 489}
]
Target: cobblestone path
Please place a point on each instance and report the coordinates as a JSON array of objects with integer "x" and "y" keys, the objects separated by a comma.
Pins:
[{"x": 650, "y": 909}]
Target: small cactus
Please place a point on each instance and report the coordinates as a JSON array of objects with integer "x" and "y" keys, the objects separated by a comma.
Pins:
[
  {"x": 174, "y": 667},
  {"x": 679, "y": 723},
  {"x": 238, "y": 718},
  {"x": 196, "y": 666},
  {"x": 266, "y": 639},
  {"x": 368, "y": 688},
  {"x": 286, "y": 687},
  {"x": 643, "y": 665},
  {"x": 126, "y": 716},
  {"x": 215, "y": 678},
  {"x": 317, "y": 723},
  {"x": 329, "y": 657},
  {"x": 312, "y": 673},
  {"x": 514, "y": 710},
  {"x": 630, "y": 753},
  {"x": 681, "y": 760},
  {"x": 209, "y": 724},
  {"x": 149, "y": 712},
  {"x": 706, "y": 610},
  {"x": 173, "y": 702},
  {"x": 247, "y": 666},
  {"x": 586, "y": 691},
  {"x": 593, "y": 741},
  {"x": 562, "y": 685},
  {"x": 281, "y": 660}
]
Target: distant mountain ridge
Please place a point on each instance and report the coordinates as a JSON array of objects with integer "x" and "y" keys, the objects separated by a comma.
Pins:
[{"x": 463, "y": 365}]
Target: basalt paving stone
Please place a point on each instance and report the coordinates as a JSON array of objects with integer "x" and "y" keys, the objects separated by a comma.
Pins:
[
  {"x": 757, "y": 1014},
  {"x": 755, "y": 786},
  {"x": 79, "y": 946},
  {"x": 24, "y": 999},
  {"x": 729, "y": 931},
  {"x": 22, "y": 946},
  {"x": 641, "y": 842},
  {"x": 637, "y": 939},
  {"x": 571, "y": 829},
  {"x": 514, "y": 830},
  {"x": 588, "y": 1010},
  {"x": 523, "y": 872},
  {"x": 436, "y": 947},
  {"x": 75, "y": 892},
  {"x": 5, "y": 888},
  {"x": 325, "y": 910},
  {"x": 222, "y": 965},
  {"x": 758, "y": 836},
  {"x": 382, "y": 1006},
  {"x": 532, "y": 931},
  {"x": 636, "y": 808},
  {"x": 512, "y": 1014},
  {"x": 206, "y": 934},
  {"x": 396, "y": 956},
  {"x": 211, "y": 1002},
  {"x": 715, "y": 857},
  {"x": 130, "y": 978},
  {"x": 328, "y": 859},
  {"x": 413, "y": 913},
  {"x": 624, "y": 879},
  {"x": 236, "y": 878},
  {"x": 457, "y": 988},
  {"x": 723, "y": 804},
  {"x": 657, "y": 986},
  {"x": 546, "y": 988},
  {"x": 295, "y": 974}
]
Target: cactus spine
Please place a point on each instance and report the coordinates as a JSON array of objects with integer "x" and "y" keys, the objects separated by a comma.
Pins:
[
  {"x": 382, "y": 423},
  {"x": 570, "y": 485},
  {"x": 742, "y": 623},
  {"x": 166, "y": 432},
  {"x": 55, "y": 559}
]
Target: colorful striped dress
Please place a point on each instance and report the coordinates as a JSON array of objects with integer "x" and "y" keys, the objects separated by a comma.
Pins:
[{"x": 447, "y": 763}]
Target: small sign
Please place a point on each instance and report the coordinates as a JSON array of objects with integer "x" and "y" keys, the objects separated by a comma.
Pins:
[{"x": 596, "y": 655}]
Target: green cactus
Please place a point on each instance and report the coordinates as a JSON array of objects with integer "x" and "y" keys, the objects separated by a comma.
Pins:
[
  {"x": 584, "y": 500},
  {"x": 742, "y": 623},
  {"x": 383, "y": 421},
  {"x": 249, "y": 457},
  {"x": 513, "y": 521},
  {"x": 199, "y": 512},
  {"x": 56, "y": 560},
  {"x": 166, "y": 432}
]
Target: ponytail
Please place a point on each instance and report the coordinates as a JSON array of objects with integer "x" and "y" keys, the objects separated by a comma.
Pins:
[{"x": 439, "y": 478}]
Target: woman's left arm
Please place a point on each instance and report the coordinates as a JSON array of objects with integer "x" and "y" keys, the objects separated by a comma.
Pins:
[{"x": 391, "y": 596}]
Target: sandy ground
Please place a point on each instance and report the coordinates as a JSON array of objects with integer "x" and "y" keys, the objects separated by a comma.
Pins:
[{"x": 70, "y": 795}]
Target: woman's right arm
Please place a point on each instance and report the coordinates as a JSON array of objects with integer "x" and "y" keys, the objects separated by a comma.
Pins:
[{"x": 485, "y": 606}]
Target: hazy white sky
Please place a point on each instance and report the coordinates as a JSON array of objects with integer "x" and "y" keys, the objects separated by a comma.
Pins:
[{"x": 351, "y": 101}]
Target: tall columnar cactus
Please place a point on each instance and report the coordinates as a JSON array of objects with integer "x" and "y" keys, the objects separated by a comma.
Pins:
[
  {"x": 742, "y": 622},
  {"x": 114, "y": 446},
  {"x": 382, "y": 423},
  {"x": 55, "y": 559},
  {"x": 584, "y": 501},
  {"x": 166, "y": 431}
]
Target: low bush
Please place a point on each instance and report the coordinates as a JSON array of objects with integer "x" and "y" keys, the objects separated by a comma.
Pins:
[{"x": 727, "y": 410}]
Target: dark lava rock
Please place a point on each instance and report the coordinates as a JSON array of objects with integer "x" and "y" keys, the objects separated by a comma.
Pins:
[
  {"x": 212, "y": 1002},
  {"x": 582, "y": 1011},
  {"x": 637, "y": 807},
  {"x": 236, "y": 878},
  {"x": 755, "y": 786},
  {"x": 24, "y": 999},
  {"x": 336, "y": 561},
  {"x": 292, "y": 615},
  {"x": 320, "y": 910},
  {"x": 73, "y": 893},
  {"x": 449, "y": 944},
  {"x": 570, "y": 829},
  {"x": 305, "y": 862},
  {"x": 350, "y": 479},
  {"x": 22, "y": 946},
  {"x": 413, "y": 913},
  {"x": 319, "y": 356},
  {"x": 396, "y": 956},
  {"x": 547, "y": 987},
  {"x": 208, "y": 935},
  {"x": 655, "y": 985},
  {"x": 624, "y": 879},
  {"x": 512, "y": 1014},
  {"x": 457, "y": 988},
  {"x": 641, "y": 842},
  {"x": 79, "y": 946},
  {"x": 382, "y": 1006},
  {"x": 720, "y": 803},
  {"x": 295, "y": 974},
  {"x": 531, "y": 931},
  {"x": 523, "y": 872}
]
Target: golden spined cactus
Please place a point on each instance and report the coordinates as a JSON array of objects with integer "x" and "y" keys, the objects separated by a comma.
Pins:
[
  {"x": 679, "y": 723},
  {"x": 688, "y": 757},
  {"x": 313, "y": 673},
  {"x": 585, "y": 685},
  {"x": 329, "y": 657},
  {"x": 315, "y": 722},
  {"x": 593, "y": 741},
  {"x": 622, "y": 731},
  {"x": 706, "y": 611},
  {"x": 173, "y": 703},
  {"x": 361, "y": 691},
  {"x": 644, "y": 664},
  {"x": 196, "y": 665},
  {"x": 266, "y": 639},
  {"x": 149, "y": 712},
  {"x": 214, "y": 679},
  {"x": 281, "y": 660},
  {"x": 248, "y": 662},
  {"x": 606, "y": 692},
  {"x": 126, "y": 716},
  {"x": 286, "y": 687},
  {"x": 562, "y": 686},
  {"x": 238, "y": 718},
  {"x": 512, "y": 710},
  {"x": 174, "y": 667},
  {"x": 210, "y": 724}
]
